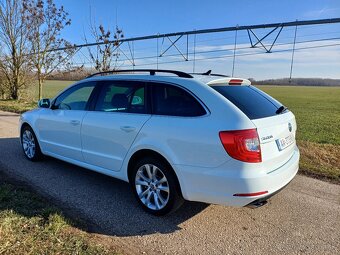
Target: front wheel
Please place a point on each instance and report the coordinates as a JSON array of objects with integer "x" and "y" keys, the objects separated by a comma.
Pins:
[
  {"x": 156, "y": 187},
  {"x": 30, "y": 144}
]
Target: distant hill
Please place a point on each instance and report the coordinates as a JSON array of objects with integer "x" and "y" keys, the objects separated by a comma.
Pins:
[{"x": 299, "y": 82}]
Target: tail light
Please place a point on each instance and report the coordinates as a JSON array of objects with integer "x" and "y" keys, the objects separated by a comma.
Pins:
[{"x": 243, "y": 145}]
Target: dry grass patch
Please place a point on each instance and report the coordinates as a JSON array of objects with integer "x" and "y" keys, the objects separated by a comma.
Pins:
[
  {"x": 320, "y": 160},
  {"x": 30, "y": 225}
]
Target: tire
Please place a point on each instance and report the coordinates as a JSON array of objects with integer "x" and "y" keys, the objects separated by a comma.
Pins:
[
  {"x": 155, "y": 186},
  {"x": 29, "y": 144}
]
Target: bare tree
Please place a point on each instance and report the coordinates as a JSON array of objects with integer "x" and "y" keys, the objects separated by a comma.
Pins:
[
  {"x": 13, "y": 48},
  {"x": 45, "y": 22},
  {"x": 106, "y": 53}
]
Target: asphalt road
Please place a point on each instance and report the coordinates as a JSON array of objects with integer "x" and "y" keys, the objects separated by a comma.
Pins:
[{"x": 302, "y": 219}]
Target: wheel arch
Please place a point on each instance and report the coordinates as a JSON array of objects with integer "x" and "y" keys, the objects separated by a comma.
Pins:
[
  {"x": 142, "y": 153},
  {"x": 24, "y": 124}
]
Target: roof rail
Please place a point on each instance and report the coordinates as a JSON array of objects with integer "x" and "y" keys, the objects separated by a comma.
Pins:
[
  {"x": 208, "y": 73},
  {"x": 151, "y": 71}
]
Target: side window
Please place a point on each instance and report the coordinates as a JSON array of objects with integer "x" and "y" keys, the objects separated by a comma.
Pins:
[
  {"x": 122, "y": 96},
  {"x": 75, "y": 98},
  {"x": 174, "y": 101}
]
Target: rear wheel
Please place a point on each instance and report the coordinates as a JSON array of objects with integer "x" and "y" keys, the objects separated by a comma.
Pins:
[
  {"x": 30, "y": 144},
  {"x": 155, "y": 186}
]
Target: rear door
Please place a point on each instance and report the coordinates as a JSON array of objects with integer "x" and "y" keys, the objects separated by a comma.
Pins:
[
  {"x": 275, "y": 125},
  {"x": 111, "y": 127}
]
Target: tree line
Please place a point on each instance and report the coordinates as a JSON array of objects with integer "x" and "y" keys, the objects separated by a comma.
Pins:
[
  {"x": 299, "y": 82},
  {"x": 30, "y": 31}
]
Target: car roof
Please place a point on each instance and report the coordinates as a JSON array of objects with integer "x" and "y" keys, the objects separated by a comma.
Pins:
[
  {"x": 206, "y": 79},
  {"x": 141, "y": 77}
]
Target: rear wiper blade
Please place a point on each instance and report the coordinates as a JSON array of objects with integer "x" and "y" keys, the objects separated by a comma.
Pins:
[{"x": 281, "y": 109}]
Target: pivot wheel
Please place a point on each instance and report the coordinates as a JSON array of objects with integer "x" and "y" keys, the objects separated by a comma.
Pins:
[{"x": 156, "y": 187}]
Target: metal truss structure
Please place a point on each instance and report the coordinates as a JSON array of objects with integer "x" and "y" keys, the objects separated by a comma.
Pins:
[{"x": 173, "y": 39}]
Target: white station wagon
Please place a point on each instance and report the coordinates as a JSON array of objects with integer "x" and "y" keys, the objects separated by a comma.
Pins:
[{"x": 173, "y": 136}]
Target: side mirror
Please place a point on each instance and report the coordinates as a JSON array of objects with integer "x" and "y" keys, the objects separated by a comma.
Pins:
[{"x": 44, "y": 103}]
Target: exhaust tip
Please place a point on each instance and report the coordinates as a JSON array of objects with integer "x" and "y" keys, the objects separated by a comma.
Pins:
[{"x": 257, "y": 204}]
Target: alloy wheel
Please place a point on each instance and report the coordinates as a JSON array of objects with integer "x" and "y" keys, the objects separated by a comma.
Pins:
[
  {"x": 28, "y": 144},
  {"x": 152, "y": 187}
]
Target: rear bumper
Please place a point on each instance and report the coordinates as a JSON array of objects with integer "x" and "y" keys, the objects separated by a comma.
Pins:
[
  {"x": 218, "y": 185},
  {"x": 263, "y": 200}
]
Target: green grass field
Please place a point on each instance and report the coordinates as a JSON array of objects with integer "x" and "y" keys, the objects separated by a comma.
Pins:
[
  {"x": 317, "y": 111},
  {"x": 51, "y": 88}
]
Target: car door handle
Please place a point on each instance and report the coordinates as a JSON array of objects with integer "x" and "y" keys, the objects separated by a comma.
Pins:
[
  {"x": 127, "y": 128},
  {"x": 75, "y": 122}
]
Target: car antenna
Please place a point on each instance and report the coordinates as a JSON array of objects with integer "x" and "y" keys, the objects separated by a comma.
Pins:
[{"x": 207, "y": 72}]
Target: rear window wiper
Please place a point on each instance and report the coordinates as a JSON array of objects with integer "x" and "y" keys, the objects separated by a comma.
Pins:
[{"x": 281, "y": 109}]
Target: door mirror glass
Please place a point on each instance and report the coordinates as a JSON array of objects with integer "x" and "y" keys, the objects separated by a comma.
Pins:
[{"x": 44, "y": 103}]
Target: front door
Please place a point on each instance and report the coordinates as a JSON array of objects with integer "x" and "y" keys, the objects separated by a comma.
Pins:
[{"x": 59, "y": 127}]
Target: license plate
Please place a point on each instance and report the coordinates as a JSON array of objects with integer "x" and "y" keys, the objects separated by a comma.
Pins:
[{"x": 283, "y": 143}]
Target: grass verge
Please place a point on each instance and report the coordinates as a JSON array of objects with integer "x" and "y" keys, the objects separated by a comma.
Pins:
[
  {"x": 321, "y": 161},
  {"x": 16, "y": 106},
  {"x": 31, "y": 225}
]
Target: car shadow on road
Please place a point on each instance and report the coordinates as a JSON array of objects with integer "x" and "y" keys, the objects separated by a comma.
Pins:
[{"x": 107, "y": 205}]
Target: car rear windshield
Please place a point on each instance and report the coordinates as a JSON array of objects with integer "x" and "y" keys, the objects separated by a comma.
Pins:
[{"x": 251, "y": 101}]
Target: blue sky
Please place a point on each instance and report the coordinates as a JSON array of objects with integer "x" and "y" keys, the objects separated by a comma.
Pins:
[{"x": 138, "y": 18}]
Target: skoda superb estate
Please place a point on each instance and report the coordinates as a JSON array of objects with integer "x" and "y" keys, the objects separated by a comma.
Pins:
[{"x": 173, "y": 136}]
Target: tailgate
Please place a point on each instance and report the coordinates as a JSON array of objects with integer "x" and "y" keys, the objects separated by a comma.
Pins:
[{"x": 277, "y": 139}]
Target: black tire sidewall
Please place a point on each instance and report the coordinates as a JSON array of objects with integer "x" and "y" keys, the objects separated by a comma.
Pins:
[{"x": 175, "y": 199}]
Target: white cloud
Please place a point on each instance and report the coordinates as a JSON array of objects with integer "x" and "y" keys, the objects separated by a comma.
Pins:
[{"x": 314, "y": 14}]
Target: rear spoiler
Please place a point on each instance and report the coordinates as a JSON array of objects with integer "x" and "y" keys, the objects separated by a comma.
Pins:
[{"x": 229, "y": 81}]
